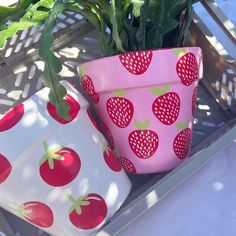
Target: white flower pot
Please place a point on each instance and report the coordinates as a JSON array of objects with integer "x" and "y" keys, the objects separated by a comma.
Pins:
[{"x": 60, "y": 176}]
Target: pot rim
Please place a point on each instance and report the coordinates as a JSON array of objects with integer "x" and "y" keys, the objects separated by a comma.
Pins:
[
  {"x": 105, "y": 58},
  {"x": 108, "y": 73}
]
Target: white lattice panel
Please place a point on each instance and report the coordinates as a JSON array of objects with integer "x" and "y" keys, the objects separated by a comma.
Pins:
[
  {"x": 25, "y": 42},
  {"x": 24, "y": 78}
]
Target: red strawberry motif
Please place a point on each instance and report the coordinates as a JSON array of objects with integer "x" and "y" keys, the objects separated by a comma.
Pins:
[
  {"x": 120, "y": 109},
  {"x": 194, "y": 100},
  {"x": 73, "y": 111},
  {"x": 136, "y": 62},
  {"x": 143, "y": 142},
  {"x": 182, "y": 141},
  {"x": 187, "y": 68},
  {"x": 12, "y": 117},
  {"x": 36, "y": 213},
  {"x": 88, "y": 211},
  {"x": 87, "y": 85},
  {"x": 59, "y": 166},
  {"x": 167, "y": 106},
  {"x": 93, "y": 120},
  {"x": 108, "y": 135},
  {"x": 127, "y": 165},
  {"x": 5, "y": 168},
  {"x": 110, "y": 157}
]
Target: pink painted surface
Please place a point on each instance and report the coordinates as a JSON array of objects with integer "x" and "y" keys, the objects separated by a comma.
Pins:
[{"x": 146, "y": 100}]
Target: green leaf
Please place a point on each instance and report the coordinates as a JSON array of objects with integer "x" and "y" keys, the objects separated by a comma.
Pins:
[
  {"x": 137, "y": 7},
  {"x": 53, "y": 65},
  {"x": 141, "y": 32},
  {"x": 6, "y": 12},
  {"x": 32, "y": 17},
  {"x": 13, "y": 28},
  {"x": 162, "y": 22},
  {"x": 114, "y": 22}
]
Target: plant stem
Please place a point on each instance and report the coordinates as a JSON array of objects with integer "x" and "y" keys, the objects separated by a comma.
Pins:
[{"x": 115, "y": 33}]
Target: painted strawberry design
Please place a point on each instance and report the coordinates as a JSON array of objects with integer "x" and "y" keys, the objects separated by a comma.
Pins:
[
  {"x": 93, "y": 120},
  {"x": 36, "y": 213},
  {"x": 120, "y": 109},
  {"x": 109, "y": 156},
  {"x": 194, "y": 100},
  {"x": 59, "y": 166},
  {"x": 166, "y": 107},
  {"x": 73, "y": 110},
  {"x": 12, "y": 117},
  {"x": 187, "y": 68},
  {"x": 108, "y": 135},
  {"x": 136, "y": 62},
  {"x": 182, "y": 141},
  {"x": 88, "y": 211},
  {"x": 87, "y": 85},
  {"x": 5, "y": 168},
  {"x": 143, "y": 142},
  {"x": 127, "y": 165}
]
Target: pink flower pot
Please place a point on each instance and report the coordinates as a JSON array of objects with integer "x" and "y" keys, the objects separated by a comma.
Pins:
[{"x": 145, "y": 101}]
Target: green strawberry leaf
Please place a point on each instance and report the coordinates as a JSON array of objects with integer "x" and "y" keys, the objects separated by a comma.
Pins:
[
  {"x": 119, "y": 93},
  {"x": 81, "y": 198},
  {"x": 180, "y": 51},
  {"x": 51, "y": 155},
  {"x": 183, "y": 125},
  {"x": 78, "y": 209},
  {"x": 84, "y": 203},
  {"x": 142, "y": 126},
  {"x": 71, "y": 209},
  {"x": 27, "y": 212},
  {"x": 51, "y": 163},
  {"x": 44, "y": 159},
  {"x": 22, "y": 211},
  {"x": 58, "y": 157},
  {"x": 160, "y": 91},
  {"x": 77, "y": 203}
]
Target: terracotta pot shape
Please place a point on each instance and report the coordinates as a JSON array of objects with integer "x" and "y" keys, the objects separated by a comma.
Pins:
[
  {"x": 146, "y": 99},
  {"x": 60, "y": 175}
]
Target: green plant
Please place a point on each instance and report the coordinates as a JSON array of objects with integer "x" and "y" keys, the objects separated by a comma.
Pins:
[{"x": 124, "y": 25}]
